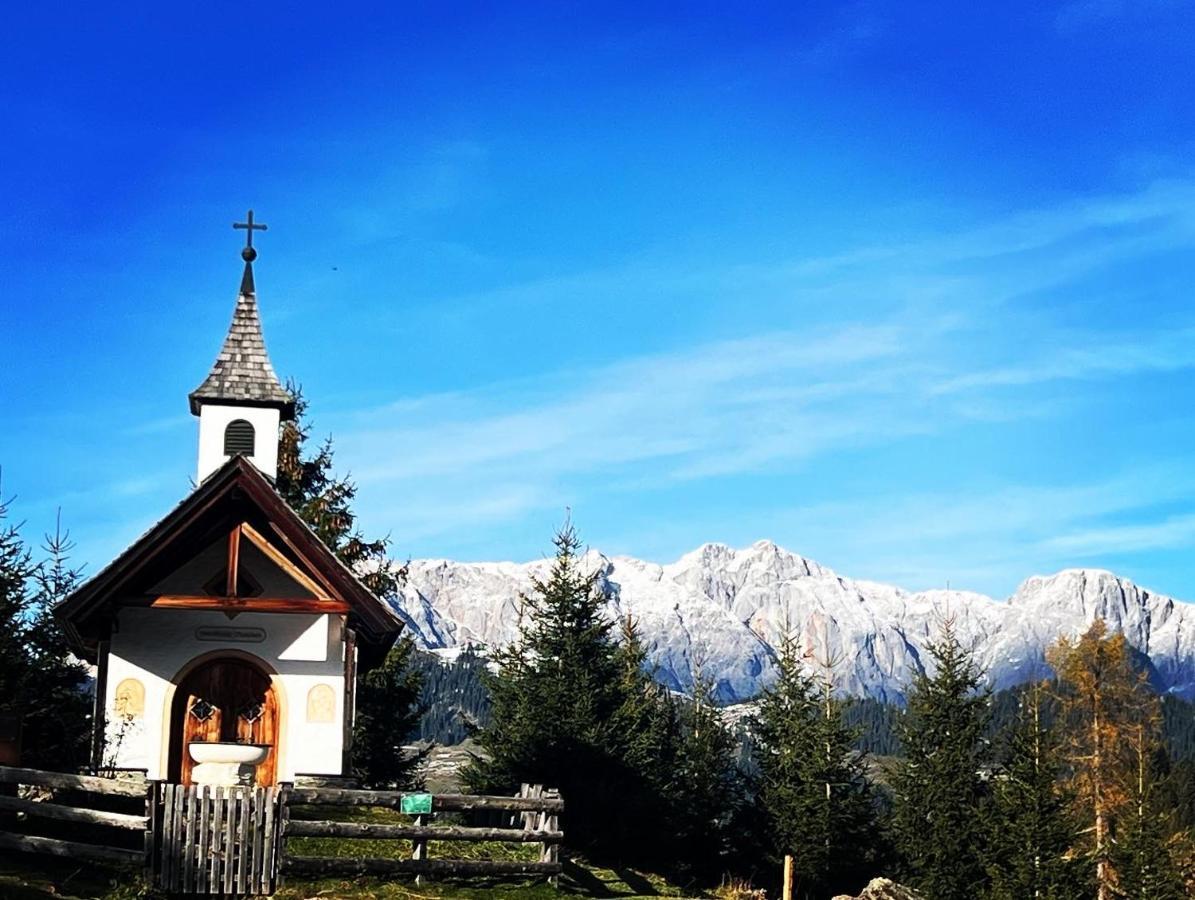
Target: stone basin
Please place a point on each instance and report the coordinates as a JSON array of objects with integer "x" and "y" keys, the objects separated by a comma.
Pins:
[
  {"x": 228, "y": 753},
  {"x": 225, "y": 765}
]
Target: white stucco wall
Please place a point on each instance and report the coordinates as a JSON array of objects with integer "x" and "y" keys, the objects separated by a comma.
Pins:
[
  {"x": 154, "y": 645},
  {"x": 214, "y": 418}
]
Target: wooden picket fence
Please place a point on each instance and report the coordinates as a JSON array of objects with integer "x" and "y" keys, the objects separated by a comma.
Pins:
[
  {"x": 232, "y": 842},
  {"x": 207, "y": 840}
]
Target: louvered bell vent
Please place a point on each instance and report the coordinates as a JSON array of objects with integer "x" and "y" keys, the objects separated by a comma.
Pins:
[{"x": 238, "y": 438}]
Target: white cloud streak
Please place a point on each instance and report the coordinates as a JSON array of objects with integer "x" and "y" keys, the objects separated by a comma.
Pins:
[{"x": 944, "y": 333}]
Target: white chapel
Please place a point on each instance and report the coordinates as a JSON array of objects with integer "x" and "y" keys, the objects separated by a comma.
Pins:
[{"x": 228, "y": 638}]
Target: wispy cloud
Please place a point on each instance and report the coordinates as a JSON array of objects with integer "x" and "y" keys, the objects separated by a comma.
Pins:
[
  {"x": 740, "y": 397},
  {"x": 1078, "y": 355},
  {"x": 1168, "y": 532},
  {"x": 947, "y": 332},
  {"x": 989, "y": 537}
]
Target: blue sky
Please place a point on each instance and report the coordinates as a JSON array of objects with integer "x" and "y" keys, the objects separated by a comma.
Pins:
[{"x": 907, "y": 291}]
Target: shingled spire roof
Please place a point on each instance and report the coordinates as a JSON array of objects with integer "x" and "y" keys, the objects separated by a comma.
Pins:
[{"x": 242, "y": 374}]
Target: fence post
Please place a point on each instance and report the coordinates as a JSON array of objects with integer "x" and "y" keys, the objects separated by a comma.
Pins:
[
  {"x": 788, "y": 877},
  {"x": 419, "y": 845},
  {"x": 151, "y": 830},
  {"x": 524, "y": 791},
  {"x": 275, "y": 867},
  {"x": 549, "y": 852},
  {"x": 532, "y": 820}
]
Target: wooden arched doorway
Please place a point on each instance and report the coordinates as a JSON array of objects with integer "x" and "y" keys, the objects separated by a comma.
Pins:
[{"x": 225, "y": 699}]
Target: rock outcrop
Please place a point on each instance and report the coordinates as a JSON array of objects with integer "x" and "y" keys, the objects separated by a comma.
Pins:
[{"x": 883, "y": 889}]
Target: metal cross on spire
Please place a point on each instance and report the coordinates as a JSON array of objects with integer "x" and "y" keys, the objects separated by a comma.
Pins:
[{"x": 249, "y": 226}]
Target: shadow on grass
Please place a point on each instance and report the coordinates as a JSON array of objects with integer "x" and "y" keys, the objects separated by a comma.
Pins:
[
  {"x": 638, "y": 884},
  {"x": 28, "y": 876},
  {"x": 580, "y": 880},
  {"x": 597, "y": 882}
]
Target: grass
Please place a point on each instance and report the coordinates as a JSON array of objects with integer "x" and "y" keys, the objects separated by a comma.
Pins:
[
  {"x": 580, "y": 879},
  {"x": 24, "y": 877},
  {"x": 392, "y": 849},
  {"x": 37, "y": 878}
]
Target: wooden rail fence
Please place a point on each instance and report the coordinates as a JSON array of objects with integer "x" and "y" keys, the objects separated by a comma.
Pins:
[
  {"x": 537, "y": 810},
  {"x": 233, "y": 841},
  {"x": 16, "y": 811}
]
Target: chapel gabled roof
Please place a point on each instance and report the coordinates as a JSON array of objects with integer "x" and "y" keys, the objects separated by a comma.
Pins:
[
  {"x": 242, "y": 374},
  {"x": 233, "y": 489}
]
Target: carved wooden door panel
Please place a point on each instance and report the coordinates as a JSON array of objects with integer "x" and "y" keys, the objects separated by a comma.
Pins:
[{"x": 225, "y": 700}]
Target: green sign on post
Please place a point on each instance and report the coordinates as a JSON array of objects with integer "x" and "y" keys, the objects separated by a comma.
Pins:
[{"x": 416, "y": 804}]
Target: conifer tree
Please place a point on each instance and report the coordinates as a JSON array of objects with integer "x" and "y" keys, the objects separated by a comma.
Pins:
[
  {"x": 324, "y": 501},
  {"x": 58, "y": 719},
  {"x": 706, "y": 789},
  {"x": 645, "y": 778},
  {"x": 557, "y": 699},
  {"x": 388, "y": 707},
  {"x": 1101, "y": 697},
  {"x": 647, "y": 717},
  {"x": 454, "y": 700},
  {"x": 41, "y": 684},
  {"x": 812, "y": 785},
  {"x": 1146, "y": 868},
  {"x": 16, "y": 570},
  {"x": 939, "y": 790},
  {"x": 1031, "y": 829},
  {"x": 387, "y": 699}
]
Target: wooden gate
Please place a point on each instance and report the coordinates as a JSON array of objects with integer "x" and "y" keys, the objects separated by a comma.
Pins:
[{"x": 215, "y": 840}]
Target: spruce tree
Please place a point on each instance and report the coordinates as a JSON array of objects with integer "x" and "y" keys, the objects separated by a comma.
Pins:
[
  {"x": 324, "y": 501},
  {"x": 706, "y": 789},
  {"x": 556, "y": 701},
  {"x": 388, "y": 710},
  {"x": 16, "y": 570},
  {"x": 41, "y": 685},
  {"x": 817, "y": 802},
  {"x": 58, "y": 718},
  {"x": 939, "y": 787},
  {"x": 1031, "y": 829},
  {"x": 647, "y": 717},
  {"x": 1145, "y": 865},
  {"x": 576, "y": 709}
]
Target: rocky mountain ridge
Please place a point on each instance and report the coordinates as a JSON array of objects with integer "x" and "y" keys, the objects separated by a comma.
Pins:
[{"x": 720, "y": 612}]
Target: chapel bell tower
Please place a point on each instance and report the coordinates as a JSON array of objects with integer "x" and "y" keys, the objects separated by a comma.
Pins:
[{"x": 241, "y": 404}]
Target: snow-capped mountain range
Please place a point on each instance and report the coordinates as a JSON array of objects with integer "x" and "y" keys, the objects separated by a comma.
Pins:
[{"x": 721, "y": 611}]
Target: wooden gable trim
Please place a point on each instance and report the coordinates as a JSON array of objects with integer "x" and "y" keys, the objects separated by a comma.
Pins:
[
  {"x": 377, "y": 620},
  {"x": 293, "y": 571},
  {"x": 251, "y": 604},
  {"x": 234, "y": 560}
]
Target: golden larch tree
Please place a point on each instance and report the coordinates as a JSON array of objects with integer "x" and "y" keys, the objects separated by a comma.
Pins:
[{"x": 1106, "y": 709}]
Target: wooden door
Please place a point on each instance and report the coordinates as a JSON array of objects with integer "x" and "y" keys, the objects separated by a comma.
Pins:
[{"x": 227, "y": 700}]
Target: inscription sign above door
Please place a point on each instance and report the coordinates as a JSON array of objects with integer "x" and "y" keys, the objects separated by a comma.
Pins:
[{"x": 230, "y": 633}]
